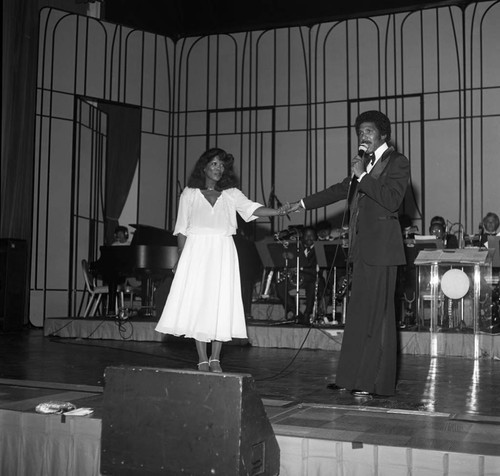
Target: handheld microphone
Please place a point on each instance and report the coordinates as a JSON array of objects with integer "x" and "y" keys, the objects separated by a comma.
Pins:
[
  {"x": 361, "y": 153},
  {"x": 362, "y": 150}
]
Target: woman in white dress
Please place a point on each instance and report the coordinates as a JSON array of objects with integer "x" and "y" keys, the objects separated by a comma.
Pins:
[{"x": 205, "y": 301}]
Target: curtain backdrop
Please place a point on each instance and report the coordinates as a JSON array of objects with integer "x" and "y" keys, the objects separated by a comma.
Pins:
[
  {"x": 20, "y": 40},
  {"x": 124, "y": 142}
]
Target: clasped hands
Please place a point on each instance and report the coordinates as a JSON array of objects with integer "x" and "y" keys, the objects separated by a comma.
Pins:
[
  {"x": 289, "y": 208},
  {"x": 357, "y": 169}
]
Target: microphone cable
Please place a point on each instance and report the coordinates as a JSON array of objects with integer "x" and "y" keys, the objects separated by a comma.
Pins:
[
  {"x": 344, "y": 223},
  {"x": 281, "y": 373},
  {"x": 361, "y": 153}
]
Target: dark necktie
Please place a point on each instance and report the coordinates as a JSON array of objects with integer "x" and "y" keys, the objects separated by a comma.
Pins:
[{"x": 372, "y": 158}]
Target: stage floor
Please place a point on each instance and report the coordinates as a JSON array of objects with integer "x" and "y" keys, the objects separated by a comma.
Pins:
[{"x": 448, "y": 407}]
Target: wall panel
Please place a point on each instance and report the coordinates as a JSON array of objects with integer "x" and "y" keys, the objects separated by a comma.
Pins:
[
  {"x": 442, "y": 174},
  {"x": 95, "y": 35},
  {"x": 332, "y": 63},
  {"x": 64, "y": 43},
  {"x": 435, "y": 71},
  {"x": 153, "y": 180},
  {"x": 137, "y": 84},
  {"x": 488, "y": 144},
  {"x": 193, "y": 81}
]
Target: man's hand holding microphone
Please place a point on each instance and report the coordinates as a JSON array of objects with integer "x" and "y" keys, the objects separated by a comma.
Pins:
[{"x": 357, "y": 163}]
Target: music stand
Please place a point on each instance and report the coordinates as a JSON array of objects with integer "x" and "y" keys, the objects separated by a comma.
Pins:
[
  {"x": 279, "y": 254},
  {"x": 282, "y": 254},
  {"x": 494, "y": 243},
  {"x": 413, "y": 246},
  {"x": 271, "y": 252},
  {"x": 330, "y": 254}
]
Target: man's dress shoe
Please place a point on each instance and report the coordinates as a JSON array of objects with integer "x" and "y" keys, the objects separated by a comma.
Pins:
[
  {"x": 334, "y": 386},
  {"x": 360, "y": 393}
]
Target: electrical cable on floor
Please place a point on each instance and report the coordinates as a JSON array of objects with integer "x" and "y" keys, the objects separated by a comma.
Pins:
[
  {"x": 110, "y": 347},
  {"x": 118, "y": 322},
  {"x": 121, "y": 324},
  {"x": 281, "y": 372},
  {"x": 54, "y": 334}
]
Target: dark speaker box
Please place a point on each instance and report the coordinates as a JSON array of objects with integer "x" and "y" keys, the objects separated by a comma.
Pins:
[
  {"x": 165, "y": 422},
  {"x": 13, "y": 283}
]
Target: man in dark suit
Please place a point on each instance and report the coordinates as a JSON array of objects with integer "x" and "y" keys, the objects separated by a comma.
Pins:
[
  {"x": 309, "y": 280},
  {"x": 437, "y": 228},
  {"x": 375, "y": 191}
]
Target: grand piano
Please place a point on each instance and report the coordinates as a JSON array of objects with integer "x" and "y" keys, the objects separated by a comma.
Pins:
[{"x": 150, "y": 257}]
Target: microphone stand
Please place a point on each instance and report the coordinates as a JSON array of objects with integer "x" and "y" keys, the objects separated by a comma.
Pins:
[
  {"x": 287, "y": 278},
  {"x": 297, "y": 275}
]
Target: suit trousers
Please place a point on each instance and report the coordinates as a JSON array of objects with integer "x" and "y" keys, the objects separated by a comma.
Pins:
[{"x": 368, "y": 356}]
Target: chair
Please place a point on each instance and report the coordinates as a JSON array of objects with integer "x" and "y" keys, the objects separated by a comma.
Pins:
[{"x": 95, "y": 293}]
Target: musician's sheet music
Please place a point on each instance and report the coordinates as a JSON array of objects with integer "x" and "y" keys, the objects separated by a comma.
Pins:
[{"x": 459, "y": 256}]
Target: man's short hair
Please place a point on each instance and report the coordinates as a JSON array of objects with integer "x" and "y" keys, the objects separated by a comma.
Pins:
[
  {"x": 381, "y": 121},
  {"x": 494, "y": 216},
  {"x": 438, "y": 219},
  {"x": 122, "y": 228},
  {"x": 310, "y": 228},
  {"x": 323, "y": 225}
]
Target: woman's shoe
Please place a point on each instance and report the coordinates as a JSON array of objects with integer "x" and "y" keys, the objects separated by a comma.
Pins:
[
  {"x": 215, "y": 365},
  {"x": 204, "y": 366}
]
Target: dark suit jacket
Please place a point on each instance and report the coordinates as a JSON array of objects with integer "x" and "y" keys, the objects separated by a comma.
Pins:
[
  {"x": 308, "y": 264},
  {"x": 378, "y": 234}
]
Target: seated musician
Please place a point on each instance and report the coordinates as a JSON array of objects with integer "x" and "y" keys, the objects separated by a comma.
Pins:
[
  {"x": 130, "y": 283},
  {"x": 309, "y": 279},
  {"x": 111, "y": 272},
  {"x": 491, "y": 227},
  {"x": 120, "y": 237},
  {"x": 437, "y": 228},
  {"x": 324, "y": 230}
]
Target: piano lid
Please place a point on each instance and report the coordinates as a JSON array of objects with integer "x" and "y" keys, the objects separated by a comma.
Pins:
[{"x": 151, "y": 235}]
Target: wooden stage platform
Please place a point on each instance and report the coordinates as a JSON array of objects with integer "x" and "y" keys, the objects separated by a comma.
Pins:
[
  {"x": 313, "y": 439},
  {"x": 271, "y": 333},
  {"x": 444, "y": 419}
]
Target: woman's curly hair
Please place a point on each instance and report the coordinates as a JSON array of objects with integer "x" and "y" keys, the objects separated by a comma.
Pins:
[{"x": 228, "y": 179}]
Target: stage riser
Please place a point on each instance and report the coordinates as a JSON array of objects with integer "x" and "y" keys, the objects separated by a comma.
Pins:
[
  {"x": 284, "y": 336},
  {"x": 47, "y": 446},
  {"x": 301, "y": 456}
]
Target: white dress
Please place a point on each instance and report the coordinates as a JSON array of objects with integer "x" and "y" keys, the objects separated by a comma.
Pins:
[{"x": 205, "y": 297}]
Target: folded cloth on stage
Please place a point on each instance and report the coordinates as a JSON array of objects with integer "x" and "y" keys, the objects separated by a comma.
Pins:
[{"x": 54, "y": 407}]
